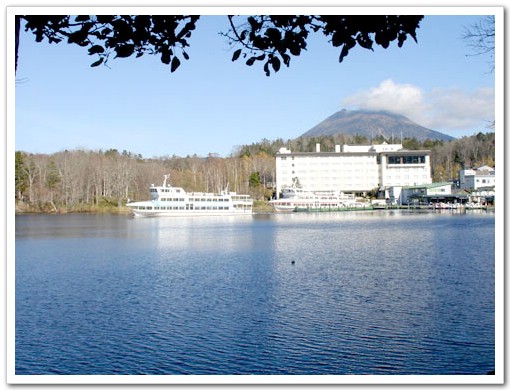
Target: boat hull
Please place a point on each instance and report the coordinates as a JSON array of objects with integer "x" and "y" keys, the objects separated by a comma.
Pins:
[
  {"x": 169, "y": 201},
  {"x": 177, "y": 213},
  {"x": 284, "y": 209},
  {"x": 297, "y": 199}
]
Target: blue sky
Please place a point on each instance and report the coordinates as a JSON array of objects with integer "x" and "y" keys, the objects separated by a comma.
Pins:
[{"x": 211, "y": 104}]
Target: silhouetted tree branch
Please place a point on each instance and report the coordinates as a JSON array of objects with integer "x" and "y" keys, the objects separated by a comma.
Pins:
[
  {"x": 480, "y": 37},
  {"x": 271, "y": 39}
]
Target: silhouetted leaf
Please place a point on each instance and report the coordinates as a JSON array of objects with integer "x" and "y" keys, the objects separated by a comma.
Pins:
[
  {"x": 236, "y": 55},
  {"x": 345, "y": 51},
  {"x": 105, "y": 18},
  {"x": 96, "y": 49},
  {"x": 275, "y": 62},
  {"x": 294, "y": 49},
  {"x": 98, "y": 62},
  {"x": 286, "y": 59},
  {"x": 124, "y": 50},
  {"x": 401, "y": 39},
  {"x": 78, "y": 37},
  {"x": 253, "y": 23},
  {"x": 165, "y": 57},
  {"x": 266, "y": 69},
  {"x": 175, "y": 64},
  {"x": 276, "y": 35},
  {"x": 104, "y": 33},
  {"x": 364, "y": 41}
]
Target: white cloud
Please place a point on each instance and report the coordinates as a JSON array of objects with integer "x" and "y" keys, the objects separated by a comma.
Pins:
[
  {"x": 456, "y": 109},
  {"x": 388, "y": 96},
  {"x": 452, "y": 110}
]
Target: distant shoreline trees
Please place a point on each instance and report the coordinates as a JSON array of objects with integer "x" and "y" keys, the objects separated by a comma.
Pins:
[
  {"x": 84, "y": 180},
  {"x": 81, "y": 180}
]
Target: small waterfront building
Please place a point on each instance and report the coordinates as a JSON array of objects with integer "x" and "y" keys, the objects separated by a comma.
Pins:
[
  {"x": 421, "y": 194},
  {"x": 353, "y": 169},
  {"x": 484, "y": 176},
  {"x": 483, "y": 195}
]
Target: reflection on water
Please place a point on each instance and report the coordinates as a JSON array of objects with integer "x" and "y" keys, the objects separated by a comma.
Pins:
[{"x": 338, "y": 293}]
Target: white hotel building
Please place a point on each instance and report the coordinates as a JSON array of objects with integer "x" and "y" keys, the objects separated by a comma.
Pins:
[
  {"x": 476, "y": 178},
  {"x": 353, "y": 169}
]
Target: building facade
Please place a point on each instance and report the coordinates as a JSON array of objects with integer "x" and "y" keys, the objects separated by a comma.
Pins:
[
  {"x": 354, "y": 169},
  {"x": 422, "y": 194},
  {"x": 481, "y": 177}
]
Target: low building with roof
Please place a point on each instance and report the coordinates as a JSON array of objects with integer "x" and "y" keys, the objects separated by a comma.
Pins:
[
  {"x": 420, "y": 194},
  {"x": 439, "y": 193},
  {"x": 484, "y": 176}
]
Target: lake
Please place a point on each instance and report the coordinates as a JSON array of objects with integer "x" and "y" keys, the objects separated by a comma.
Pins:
[{"x": 347, "y": 293}]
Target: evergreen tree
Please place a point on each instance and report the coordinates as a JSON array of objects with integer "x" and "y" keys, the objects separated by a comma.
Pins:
[
  {"x": 254, "y": 180},
  {"x": 20, "y": 175}
]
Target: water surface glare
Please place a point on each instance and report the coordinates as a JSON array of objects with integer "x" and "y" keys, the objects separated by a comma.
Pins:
[{"x": 390, "y": 292}]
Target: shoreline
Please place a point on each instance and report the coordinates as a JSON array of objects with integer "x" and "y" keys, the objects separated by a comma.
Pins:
[{"x": 260, "y": 209}]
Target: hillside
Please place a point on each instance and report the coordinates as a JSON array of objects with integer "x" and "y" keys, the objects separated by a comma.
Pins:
[{"x": 372, "y": 124}]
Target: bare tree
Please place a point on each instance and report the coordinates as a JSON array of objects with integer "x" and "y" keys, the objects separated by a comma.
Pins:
[{"x": 480, "y": 38}]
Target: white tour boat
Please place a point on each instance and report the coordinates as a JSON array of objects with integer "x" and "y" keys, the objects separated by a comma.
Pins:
[
  {"x": 166, "y": 200},
  {"x": 295, "y": 199}
]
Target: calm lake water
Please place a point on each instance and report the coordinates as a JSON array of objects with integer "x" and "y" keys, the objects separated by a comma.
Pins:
[{"x": 389, "y": 292}]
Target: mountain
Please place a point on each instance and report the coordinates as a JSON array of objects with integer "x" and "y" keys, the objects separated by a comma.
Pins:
[{"x": 373, "y": 123}]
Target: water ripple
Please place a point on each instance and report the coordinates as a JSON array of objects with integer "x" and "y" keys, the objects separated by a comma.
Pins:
[{"x": 300, "y": 295}]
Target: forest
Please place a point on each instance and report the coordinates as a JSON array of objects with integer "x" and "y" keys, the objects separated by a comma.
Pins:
[{"x": 85, "y": 180}]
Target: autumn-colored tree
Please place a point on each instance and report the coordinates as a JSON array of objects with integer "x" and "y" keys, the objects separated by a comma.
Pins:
[{"x": 81, "y": 180}]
